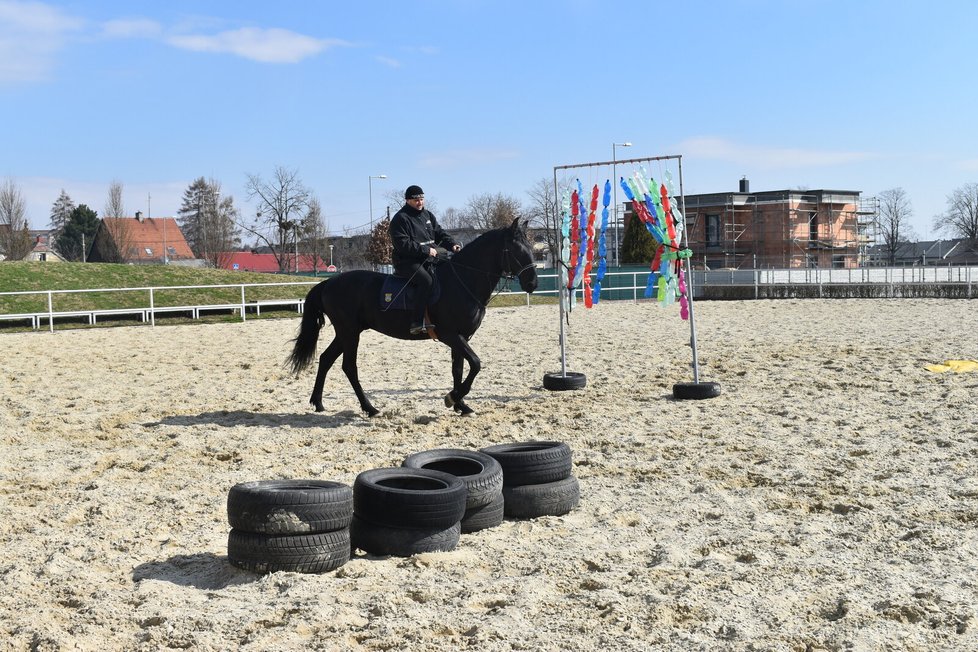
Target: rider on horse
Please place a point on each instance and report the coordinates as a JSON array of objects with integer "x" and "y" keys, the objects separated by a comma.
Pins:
[{"x": 414, "y": 234}]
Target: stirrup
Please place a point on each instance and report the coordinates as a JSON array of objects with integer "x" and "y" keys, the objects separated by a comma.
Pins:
[{"x": 418, "y": 329}]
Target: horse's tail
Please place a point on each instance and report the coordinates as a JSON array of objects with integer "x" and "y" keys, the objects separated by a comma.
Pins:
[{"x": 313, "y": 321}]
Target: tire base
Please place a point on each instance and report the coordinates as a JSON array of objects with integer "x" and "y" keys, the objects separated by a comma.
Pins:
[
  {"x": 695, "y": 391},
  {"x": 556, "y": 381}
]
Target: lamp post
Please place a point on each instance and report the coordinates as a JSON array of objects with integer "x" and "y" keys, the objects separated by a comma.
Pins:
[
  {"x": 370, "y": 191},
  {"x": 614, "y": 184},
  {"x": 331, "y": 255}
]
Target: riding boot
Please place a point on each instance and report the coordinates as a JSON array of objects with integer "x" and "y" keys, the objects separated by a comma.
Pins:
[{"x": 417, "y": 323}]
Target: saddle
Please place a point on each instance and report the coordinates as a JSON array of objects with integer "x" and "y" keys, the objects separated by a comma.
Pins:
[{"x": 396, "y": 294}]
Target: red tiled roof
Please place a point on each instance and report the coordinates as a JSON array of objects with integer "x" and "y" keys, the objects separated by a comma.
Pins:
[
  {"x": 248, "y": 261},
  {"x": 145, "y": 238}
]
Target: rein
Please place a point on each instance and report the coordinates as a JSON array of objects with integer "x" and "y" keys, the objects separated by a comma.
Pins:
[{"x": 509, "y": 276}]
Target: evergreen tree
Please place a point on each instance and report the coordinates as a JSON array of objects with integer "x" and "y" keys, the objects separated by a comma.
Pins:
[
  {"x": 208, "y": 221},
  {"x": 380, "y": 249},
  {"x": 60, "y": 214},
  {"x": 637, "y": 245},
  {"x": 79, "y": 232}
]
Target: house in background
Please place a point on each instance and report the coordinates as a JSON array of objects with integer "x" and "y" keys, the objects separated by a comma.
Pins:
[
  {"x": 43, "y": 250},
  {"x": 251, "y": 261},
  {"x": 779, "y": 228},
  {"x": 141, "y": 241}
]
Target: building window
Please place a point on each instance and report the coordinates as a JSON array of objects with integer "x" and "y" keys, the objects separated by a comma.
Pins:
[
  {"x": 813, "y": 226},
  {"x": 838, "y": 261},
  {"x": 149, "y": 251},
  {"x": 712, "y": 230}
]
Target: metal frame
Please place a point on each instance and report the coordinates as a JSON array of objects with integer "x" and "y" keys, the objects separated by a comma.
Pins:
[{"x": 564, "y": 296}]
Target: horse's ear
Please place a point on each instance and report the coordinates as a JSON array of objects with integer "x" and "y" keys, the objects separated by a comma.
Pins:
[{"x": 515, "y": 226}]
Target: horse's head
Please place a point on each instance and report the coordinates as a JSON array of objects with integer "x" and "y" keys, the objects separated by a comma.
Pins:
[{"x": 518, "y": 257}]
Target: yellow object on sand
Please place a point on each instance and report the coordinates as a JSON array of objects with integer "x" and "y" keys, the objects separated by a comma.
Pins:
[{"x": 957, "y": 366}]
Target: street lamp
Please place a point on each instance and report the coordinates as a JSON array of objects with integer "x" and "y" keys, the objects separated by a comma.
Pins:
[
  {"x": 370, "y": 190},
  {"x": 614, "y": 183},
  {"x": 331, "y": 255}
]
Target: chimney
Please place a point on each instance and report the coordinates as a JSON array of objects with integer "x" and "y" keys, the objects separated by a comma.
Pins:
[
  {"x": 744, "y": 185},
  {"x": 139, "y": 215}
]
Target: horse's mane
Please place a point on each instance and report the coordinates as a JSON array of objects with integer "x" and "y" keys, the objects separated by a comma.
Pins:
[{"x": 489, "y": 238}]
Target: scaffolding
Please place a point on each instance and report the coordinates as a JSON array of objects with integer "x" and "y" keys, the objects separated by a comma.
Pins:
[{"x": 786, "y": 228}]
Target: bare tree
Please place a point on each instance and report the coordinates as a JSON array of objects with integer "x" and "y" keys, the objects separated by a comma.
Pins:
[
  {"x": 894, "y": 220},
  {"x": 122, "y": 232},
  {"x": 452, "y": 218},
  {"x": 961, "y": 217},
  {"x": 315, "y": 241},
  {"x": 491, "y": 211},
  {"x": 15, "y": 237},
  {"x": 282, "y": 202},
  {"x": 114, "y": 206},
  {"x": 543, "y": 213}
]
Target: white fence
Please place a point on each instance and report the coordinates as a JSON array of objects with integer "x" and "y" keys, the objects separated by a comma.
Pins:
[
  {"x": 621, "y": 285},
  {"x": 149, "y": 310}
]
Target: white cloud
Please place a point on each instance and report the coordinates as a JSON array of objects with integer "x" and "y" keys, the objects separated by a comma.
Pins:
[
  {"x": 387, "y": 61},
  {"x": 766, "y": 157},
  {"x": 132, "y": 28},
  {"x": 264, "y": 45},
  {"x": 456, "y": 158},
  {"x": 31, "y": 34}
]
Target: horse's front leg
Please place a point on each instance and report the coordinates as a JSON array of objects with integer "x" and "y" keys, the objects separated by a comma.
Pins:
[{"x": 462, "y": 352}]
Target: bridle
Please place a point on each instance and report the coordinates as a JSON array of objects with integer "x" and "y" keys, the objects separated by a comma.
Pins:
[{"x": 505, "y": 272}]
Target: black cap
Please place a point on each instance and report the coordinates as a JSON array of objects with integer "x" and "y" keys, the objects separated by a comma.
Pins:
[{"x": 413, "y": 191}]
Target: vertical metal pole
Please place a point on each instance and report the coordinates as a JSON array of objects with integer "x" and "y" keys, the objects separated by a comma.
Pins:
[
  {"x": 51, "y": 310},
  {"x": 689, "y": 278},
  {"x": 561, "y": 292},
  {"x": 614, "y": 187},
  {"x": 152, "y": 310},
  {"x": 242, "y": 302}
]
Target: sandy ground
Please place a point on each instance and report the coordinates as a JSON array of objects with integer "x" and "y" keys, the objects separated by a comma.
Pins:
[{"x": 827, "y": 500}]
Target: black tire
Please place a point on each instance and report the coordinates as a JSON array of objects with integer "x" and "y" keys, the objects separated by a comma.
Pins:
[
  {"x": 300, "y": 553},
  {"x": 382, "y": 540},
  {"x": 290, "y": 506},
  {"x": 550, "y": 499},
  {"x": 532, "y": 462},
  {"x": 485, "y": 517},
  {"x": 696, "y": 391},
  {"x": 558, "y": 382},
  {"x": 481, "y": 473},
  {"x": 412, "y": 498}
]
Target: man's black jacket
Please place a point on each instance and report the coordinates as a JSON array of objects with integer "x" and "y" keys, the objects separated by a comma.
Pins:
[{"x": 413, "y": 232}]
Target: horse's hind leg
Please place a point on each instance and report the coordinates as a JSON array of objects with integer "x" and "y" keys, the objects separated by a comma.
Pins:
[
  {"x": 326, "y": 361},
  {"x": 350, "y": 369}
]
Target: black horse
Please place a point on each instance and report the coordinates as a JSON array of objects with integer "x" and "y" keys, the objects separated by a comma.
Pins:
[{"x": 352, "y": 303}]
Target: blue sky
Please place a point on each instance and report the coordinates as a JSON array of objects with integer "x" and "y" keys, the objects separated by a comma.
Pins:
[{"x": 473, "y": 96}]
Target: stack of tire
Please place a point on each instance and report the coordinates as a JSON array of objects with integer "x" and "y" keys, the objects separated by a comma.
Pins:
[
  {"x": 403, "y": 511},
  {"x": 289, "y": 525},
  {"x": 483, "y": 479},
  {"x": 537, "y": 478}
]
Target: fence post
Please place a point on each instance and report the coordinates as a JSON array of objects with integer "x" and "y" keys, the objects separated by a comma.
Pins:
[
  {"x": 50, "y": 312},
  {"x": 242, "y": 302},
  {"x": 152, "y": 309}
]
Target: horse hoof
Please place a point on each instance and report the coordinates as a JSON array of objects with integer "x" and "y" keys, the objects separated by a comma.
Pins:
[
  {"x": 372, "y": 412},
  {"x": 463, "y": 409},
  {"x": 449, "y": 401},
  {"x": 320, "y": 408}
]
